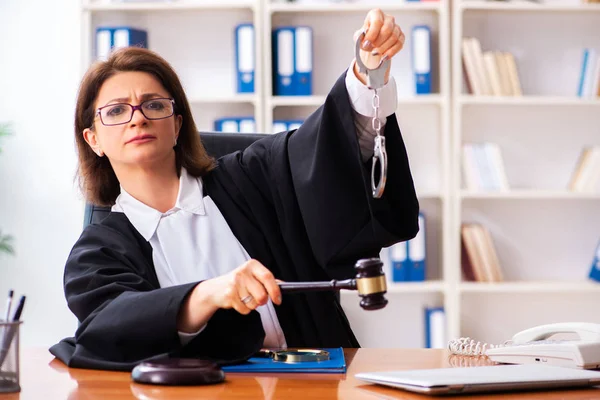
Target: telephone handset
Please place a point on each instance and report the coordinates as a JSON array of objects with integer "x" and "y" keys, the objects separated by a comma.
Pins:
[
  {"x": 534, "y": 345},
  {"x": 587, "y": 332}
]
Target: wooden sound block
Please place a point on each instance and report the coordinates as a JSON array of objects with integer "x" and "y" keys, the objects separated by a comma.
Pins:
[{"x": 178, "y": 372}]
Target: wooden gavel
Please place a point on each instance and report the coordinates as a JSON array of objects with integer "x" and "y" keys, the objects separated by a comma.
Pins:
[{"x": 369, "y": 281}]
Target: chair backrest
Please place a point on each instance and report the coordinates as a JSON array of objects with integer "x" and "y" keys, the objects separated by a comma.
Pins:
[{"x": 217, "y": 144}]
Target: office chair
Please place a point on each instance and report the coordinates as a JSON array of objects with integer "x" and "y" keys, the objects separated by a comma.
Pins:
[{"x": 217, "y": 144}]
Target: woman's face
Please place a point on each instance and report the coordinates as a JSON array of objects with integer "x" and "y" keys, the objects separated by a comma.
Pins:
[{"x": 140, "y": 142}]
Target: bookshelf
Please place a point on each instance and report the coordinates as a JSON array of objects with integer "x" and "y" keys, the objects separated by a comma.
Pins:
[
  {"x": 208, "y": 76},
  {"x": 549, "y": 6},
  {"x": 429, "y": 167},
  {"x": 537, "y": 215},
  {"x": 545, "y": 235},
  {"x": 208, "y": 71}
]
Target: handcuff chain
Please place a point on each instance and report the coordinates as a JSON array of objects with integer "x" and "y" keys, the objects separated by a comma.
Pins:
[{"x": 376, "y": 122}]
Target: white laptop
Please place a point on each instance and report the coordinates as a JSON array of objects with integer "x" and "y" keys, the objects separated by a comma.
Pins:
[{"x": 484, "y": 379}]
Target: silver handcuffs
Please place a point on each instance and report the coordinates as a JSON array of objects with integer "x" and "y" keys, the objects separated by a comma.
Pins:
[{"x": 375, "y": 81}]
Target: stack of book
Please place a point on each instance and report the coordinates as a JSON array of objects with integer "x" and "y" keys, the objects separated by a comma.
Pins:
[
  {"x": 489, "y": 73},
  {"x": 483, "y": 167},
  {"x": 586, "y": 176},
  {"x": 479, "y": 260}
]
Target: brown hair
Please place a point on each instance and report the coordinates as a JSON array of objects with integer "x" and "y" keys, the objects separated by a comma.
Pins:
[{"x": 97, "y": 178}]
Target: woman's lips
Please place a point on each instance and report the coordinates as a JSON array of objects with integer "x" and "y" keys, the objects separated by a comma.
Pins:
[{"x": 141, "y": 139}]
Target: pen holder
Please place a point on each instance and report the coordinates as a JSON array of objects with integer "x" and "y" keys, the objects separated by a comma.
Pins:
[{"x": 9, "y": 357}]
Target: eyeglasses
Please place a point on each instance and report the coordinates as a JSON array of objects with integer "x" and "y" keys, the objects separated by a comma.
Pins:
[{"x": 122, "y": 113}]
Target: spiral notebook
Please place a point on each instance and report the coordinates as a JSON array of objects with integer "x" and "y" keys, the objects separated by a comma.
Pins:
[{"x": 335, "y": 365}]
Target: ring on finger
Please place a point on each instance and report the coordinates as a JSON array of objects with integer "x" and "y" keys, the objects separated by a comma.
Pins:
[{"x": 247, "y": 299}]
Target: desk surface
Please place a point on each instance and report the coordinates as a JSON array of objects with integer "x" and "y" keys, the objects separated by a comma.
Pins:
[{"x": 43, "y": 377}]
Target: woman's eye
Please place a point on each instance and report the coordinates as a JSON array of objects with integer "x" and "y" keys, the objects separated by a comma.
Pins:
[
  {"x": 154, "y": 105},
  {"x": 116, "y": 110}
]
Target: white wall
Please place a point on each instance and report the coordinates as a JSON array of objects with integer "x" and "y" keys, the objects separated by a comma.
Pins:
[{"x": 39, "y": 203}]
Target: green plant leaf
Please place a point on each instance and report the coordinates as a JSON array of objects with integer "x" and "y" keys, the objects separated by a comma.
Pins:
[
  {"x": 5, "y": 130},
  {"x": 6, "y": 244}
]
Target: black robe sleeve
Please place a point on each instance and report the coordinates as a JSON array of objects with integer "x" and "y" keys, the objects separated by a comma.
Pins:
[
  {"x": 126, "y": 318},
  {"x": 332, "y": 186}
]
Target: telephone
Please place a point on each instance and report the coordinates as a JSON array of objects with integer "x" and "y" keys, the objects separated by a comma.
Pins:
[{"x": 534, "y": 346}]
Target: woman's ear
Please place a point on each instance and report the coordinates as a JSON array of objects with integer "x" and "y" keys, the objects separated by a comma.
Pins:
[
  {"x": 178, "y": 124},
  {"x": 92, "y": 140}
]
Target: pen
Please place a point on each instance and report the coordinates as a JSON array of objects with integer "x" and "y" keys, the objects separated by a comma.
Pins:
[
  {"x": 8, "y": 304},
  {"x": 10, "y": 332},
  {"x": 19, "y": 309}
]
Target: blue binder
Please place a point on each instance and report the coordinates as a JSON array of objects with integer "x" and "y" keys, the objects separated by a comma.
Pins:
[
  {"x": 421, "y": 58},
  {"x": 235, "y": 124},
  {"x": 435, "y": 327},
  {"x": 335, "y": 365},
  {"x": 294, "y": 124},
  {"x": 399, "y": 261},
  {"x": 104, "y": 43},
  {"x": 247, "y": 125},
  {"x": 109, "y": 38},
  {"x": 417, "y": 253},
  {"x": 279, "y": 126},
  {"x": 303, "y": 61},
  {"x": 595, "y": 269},
  {"x": 245, "y": 57},
  {"x": 284, "y": 125},
  {"x": 292, "y": 61}
]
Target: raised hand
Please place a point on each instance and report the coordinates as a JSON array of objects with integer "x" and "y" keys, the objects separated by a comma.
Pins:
[{"x": 383, "y": 39}]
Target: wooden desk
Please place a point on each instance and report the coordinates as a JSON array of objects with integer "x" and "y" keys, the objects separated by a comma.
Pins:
[{"x": 43, "y": 377}]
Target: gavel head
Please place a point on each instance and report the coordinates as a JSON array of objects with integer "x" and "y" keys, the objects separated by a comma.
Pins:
[{"x": 370, "y": 283}]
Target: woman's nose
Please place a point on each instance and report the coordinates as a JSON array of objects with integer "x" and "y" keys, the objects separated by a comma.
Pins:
[{"x": 138, "y": 117}]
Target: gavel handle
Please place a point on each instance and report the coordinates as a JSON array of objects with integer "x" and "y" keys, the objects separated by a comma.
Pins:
[{"x": 333, "y": 285}]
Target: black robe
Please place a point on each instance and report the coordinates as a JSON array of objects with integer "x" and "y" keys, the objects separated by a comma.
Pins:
[{"x": 300, "y": 202}]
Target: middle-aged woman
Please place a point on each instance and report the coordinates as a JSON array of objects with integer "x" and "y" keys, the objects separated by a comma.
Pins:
[{"x": 187, "y": 262}]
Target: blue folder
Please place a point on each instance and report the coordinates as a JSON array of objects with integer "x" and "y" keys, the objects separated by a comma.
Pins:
[
  {"x": 595, "y": 270},
  {"x": 335, "y": 365},
  {"x": 114, "y": 37},
  {"x": 292, "y": 60},
  {"x": 421, "y": 58},
  {"x": 244, "y": 58}
]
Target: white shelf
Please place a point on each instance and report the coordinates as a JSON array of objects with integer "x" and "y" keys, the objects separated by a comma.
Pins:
[
  {"x": 409, "y": 287},
  {"x": 530, "y": 287},
  {"x": 430, "y": 99},
  {"x": 170, "y": 5},
  {"x": 416, "y": 287},
  {"x": 529, "y": 195},
  {"x": 429, "y": 195},
  {"x": 349, "y": 7},
  {"x": 517, "y": 6},
  {"x": 295, "y": 101},
  {"x": 236, "y": 98},
  {"x": 277, "y": 101},
  {"x": 527, "y": 101}
]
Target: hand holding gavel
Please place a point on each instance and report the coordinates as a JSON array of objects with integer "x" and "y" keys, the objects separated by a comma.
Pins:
[
  {"x": 251, "y": 285},
  {"x": 369, "y": 281}
]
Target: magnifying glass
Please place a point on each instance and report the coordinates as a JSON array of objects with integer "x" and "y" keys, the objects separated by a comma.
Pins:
[{"x": 295, "y": 355}]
